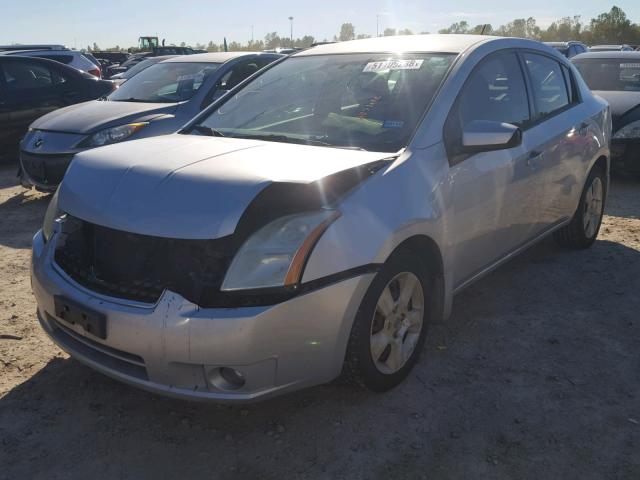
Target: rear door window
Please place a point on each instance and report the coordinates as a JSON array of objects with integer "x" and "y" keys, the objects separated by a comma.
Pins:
[
  {"x": 550, "y": 92},
  {"x": 21, "y": 76}
]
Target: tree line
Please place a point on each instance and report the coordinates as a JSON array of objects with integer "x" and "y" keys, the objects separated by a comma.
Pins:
[{"x": 612, "y": 27}]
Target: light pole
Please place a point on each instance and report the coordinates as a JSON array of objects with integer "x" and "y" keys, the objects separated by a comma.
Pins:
[
  {"x": 377, "y": 24},
  {"x": 291, "y": 32},
  {"x": 251, "y": 34}
]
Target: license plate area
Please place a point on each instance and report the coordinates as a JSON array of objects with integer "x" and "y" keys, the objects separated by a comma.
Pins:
[{"x": 73, "y": 313}]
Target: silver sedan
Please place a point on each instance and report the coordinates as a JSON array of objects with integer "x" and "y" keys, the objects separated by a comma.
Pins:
[{"x": 319, "y": 218}]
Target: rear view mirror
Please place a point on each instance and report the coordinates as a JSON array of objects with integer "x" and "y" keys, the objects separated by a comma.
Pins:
[{"x": 484, "y": 135}]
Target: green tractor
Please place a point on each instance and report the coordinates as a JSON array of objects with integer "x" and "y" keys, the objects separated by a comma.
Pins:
[{"x": 147, "y": 44}]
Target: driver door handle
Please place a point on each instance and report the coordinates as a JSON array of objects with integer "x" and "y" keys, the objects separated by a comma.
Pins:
[{"x": 533, "y": 157}]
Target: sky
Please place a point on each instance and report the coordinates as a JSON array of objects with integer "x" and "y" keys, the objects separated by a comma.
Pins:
[{"x": 78, "y": 23}]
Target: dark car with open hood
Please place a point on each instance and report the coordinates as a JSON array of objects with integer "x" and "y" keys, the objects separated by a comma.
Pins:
[
  {"x": 615, "y": 76},
  {"x": 32, "y": 87}
]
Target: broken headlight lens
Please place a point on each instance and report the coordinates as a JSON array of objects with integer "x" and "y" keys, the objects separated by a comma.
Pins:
[
  {"x": 112, "y": 135},
  {"x": 628, "y": 131},
  {"x": 275, "y": 255},
  {"x": 52, "y": 214}
]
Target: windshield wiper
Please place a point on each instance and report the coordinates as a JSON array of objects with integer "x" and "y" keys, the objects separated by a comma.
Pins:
[
  {"x": 212, "y": 132},
  {"x": 131, "y": 99},
  {"x": 272, "y": 137}
]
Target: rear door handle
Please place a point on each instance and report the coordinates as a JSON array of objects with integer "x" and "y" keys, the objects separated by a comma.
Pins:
[{"x": 533, "y": 157}]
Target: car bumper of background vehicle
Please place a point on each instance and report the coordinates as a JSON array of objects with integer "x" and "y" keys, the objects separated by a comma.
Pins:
[
  {"x": 176, "y": 348},
  {"x": 625, "y": 156},
  {"x": 45, "y": 172}
]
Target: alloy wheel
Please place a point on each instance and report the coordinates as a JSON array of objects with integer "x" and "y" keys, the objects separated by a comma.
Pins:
[
  {"x": 592, "y": 207},
  {"x": 397, "y": 322}
]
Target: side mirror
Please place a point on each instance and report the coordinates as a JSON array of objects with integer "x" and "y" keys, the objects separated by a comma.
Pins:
[{"x": 485, "y": 135}]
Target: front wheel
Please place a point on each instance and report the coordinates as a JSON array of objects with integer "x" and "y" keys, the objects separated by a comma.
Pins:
[
  {"x": 585, "y": 225},
  {"x": 390, "y": 326}
]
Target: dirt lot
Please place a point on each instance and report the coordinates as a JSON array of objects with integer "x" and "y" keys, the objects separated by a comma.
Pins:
[{"x": 536, "y": 375}]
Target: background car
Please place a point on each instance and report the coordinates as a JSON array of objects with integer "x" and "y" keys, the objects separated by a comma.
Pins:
[
  {"x": 73, "y": 58},
  {"x": 615, "y": 76},
  {"x": 113, "y": 57},
  {"x": 610, "y": 48},
  {"x": 321, "y": 217},
  {"x": 31, "y": 87},
  {"x": 120, "y": 78},
  {"x": 156, "y": 101},
  {"x": 569, "y": 49}
]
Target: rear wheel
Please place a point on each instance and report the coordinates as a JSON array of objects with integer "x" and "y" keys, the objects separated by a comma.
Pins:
[
  {"x": 585, "y": 225},
  {"x": 390, "y": 326}
]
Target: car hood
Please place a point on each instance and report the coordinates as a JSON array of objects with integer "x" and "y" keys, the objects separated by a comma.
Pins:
[
  {"x": 89, "y": 116},
  {"x": 189, "y": 186},
  {"x": 620, "y": 102}
]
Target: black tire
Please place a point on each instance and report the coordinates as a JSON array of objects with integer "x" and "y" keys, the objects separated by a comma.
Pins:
[
  {"x": 359, "y": 366},
  {"x": 574, "y": 235}
]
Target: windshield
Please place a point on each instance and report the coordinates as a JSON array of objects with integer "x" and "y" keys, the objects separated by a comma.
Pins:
[
  {"x": 164, "y": 83},
  {"x": 365, "y": 101},
  {"x": 138, "y": 67},
  {"x": 610, "y": 74}
]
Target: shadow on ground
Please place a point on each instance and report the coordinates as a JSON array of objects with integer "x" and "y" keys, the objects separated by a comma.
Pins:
[{"x": 536, "y": 375}]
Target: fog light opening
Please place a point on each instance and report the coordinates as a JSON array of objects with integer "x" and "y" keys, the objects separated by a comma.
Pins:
[{"x": 227, "y": 378}]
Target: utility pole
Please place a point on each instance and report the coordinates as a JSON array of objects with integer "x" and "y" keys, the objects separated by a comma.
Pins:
[
  {"x": 377, "y": 25},
  {"x": 291, "y": 32},
  {"x": 251, "y": 33}
]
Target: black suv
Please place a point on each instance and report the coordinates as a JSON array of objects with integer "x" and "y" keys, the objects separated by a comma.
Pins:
[{"x": 31, "y": 87}]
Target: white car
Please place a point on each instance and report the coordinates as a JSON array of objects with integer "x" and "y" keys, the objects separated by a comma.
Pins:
[
  {"x": 317, "y": 218},
  {"x": 73, "y": 58}
]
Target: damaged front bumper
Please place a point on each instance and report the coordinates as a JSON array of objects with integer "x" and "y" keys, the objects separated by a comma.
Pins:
[{"x": 176, "y": 348}]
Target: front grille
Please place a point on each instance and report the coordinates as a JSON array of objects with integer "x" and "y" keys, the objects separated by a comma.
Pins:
[
  {"x": 114, "y": 359},
  {"x": 140, "y": 267},
  {"x": 45, "y": 169}
]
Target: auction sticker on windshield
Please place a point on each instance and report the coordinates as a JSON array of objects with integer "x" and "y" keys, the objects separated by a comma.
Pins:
[{"x": 409, "y": 64}]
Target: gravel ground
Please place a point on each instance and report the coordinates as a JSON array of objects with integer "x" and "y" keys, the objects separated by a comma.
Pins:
[{"x": 536, "y": 375}]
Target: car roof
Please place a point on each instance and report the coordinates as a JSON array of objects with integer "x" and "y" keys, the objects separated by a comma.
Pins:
[
  {"x": 562, "y": 44},
  {"x": 45, "y": 61},
  {"x": 609, "y": 54},
  {"x": 32, "y": 47},
  {"x": 41, "y": 50},
  {"x": 213, "y": 57},
  {"x": 401, "y": 43}
]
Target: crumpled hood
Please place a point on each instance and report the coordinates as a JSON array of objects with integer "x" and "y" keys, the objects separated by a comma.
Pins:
[
  {"x": 189, "y": 186},
  {"x": 620, "y": 102},
  {"x": 94, "y": 115}
]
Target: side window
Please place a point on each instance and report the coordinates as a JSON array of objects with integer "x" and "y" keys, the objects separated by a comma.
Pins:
[
  {"x": 239, "y": 73},
  {"x": 572, "y": 51},
  {"x": 59, "y": 77},
  {"x": 26, "y": 75},
  {"x": 494, "y": 91},
  {"x": 550, "y": 92}
]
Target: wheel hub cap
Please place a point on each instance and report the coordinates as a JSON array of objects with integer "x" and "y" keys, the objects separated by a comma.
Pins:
[
  {"x": 592, "y": 207},
  {"x": 397, "y": 322}
]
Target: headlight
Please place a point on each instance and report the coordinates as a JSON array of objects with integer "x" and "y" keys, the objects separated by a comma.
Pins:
[
  {"x": 275, "y": 255},
  {"x": 112, "y": 135},
  {"x": 629, "y": 131},
  {"x": 53, "y": 213}
]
